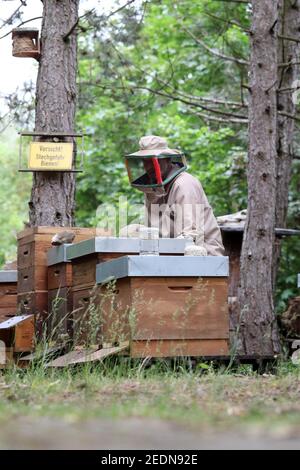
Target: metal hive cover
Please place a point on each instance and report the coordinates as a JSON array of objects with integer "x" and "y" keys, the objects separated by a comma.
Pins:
[
  {"x": 122, "y": 245},
  {"x": 8, "y": 276},
  {"x": 162, "y": 266}
]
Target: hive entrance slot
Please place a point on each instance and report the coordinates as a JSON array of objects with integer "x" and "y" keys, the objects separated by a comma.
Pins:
[{"x": 180, "y": 288}]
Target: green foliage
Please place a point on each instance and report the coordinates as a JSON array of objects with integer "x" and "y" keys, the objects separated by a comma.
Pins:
[
  {"x": 132, "y": 78},
  {"x": 144, "y": 72},
  {"x": 14, "y": 192}
]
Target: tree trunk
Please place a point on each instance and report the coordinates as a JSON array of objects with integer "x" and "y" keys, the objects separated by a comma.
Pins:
[
  {"x": 288, "y": 26},
  {"x": 53, "y": 193},
  {"x": 258, "y": 327}
]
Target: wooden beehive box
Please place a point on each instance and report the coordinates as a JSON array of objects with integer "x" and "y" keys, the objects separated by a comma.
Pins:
[
  {"x": 8, "y": 294},
  {"x": 33, "y": 244},
  {"x": 18, "y": 333},
  {"x": 60, "y": 303},
  {"x": 85, "y": 256},
  {"x": 165, "y": 305}
]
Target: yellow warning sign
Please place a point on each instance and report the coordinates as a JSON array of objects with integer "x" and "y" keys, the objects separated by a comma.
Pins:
[{"x": 49, "y": 156}]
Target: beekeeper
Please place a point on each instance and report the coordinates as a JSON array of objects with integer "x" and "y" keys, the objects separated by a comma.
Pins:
[{"x": 175, "y": 201}]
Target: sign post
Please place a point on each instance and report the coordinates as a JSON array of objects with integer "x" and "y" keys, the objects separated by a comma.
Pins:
[{"x": 51, "y": 152}]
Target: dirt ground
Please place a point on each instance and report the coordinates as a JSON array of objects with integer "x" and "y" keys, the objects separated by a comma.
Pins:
[
  {"x": 135, "y": 433},
  {"x": 100, "y": 409}
]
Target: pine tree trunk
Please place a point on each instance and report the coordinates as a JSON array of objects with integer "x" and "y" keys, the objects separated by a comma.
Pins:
[
  {"x": 288, "y": 77},
  {"x": 53, "y": 193},
  {"x": 258, "y": 327}
]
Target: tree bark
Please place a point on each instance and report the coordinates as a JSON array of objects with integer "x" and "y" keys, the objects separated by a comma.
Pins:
[
  {"x": 258, "y": 334},
  {"x": 53, "y": 193},
  {"x": 288, "y": 77}
]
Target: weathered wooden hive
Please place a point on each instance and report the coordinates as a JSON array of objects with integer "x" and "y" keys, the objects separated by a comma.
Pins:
[
  {"x": 8, "y": 294},
  {"x": 16, "y": 336},
  {"x": 33, "y": 244},
  {"x": 165, "y": 306}
]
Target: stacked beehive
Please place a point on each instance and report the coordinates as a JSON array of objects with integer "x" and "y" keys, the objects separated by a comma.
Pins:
[
  {"x": 97, "y": 311},
  {"x": 8, "y": 294},
  {"x": 158, "y": 305},
  {"x": 33, "y": 244},
  {"x": 85, "y": 256}
]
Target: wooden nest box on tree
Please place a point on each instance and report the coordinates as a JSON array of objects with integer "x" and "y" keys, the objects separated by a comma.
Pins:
[{"x": 26, "y": 43}]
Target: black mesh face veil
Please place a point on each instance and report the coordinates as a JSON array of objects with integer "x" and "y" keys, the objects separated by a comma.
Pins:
[{"x": 154, "y": 171}]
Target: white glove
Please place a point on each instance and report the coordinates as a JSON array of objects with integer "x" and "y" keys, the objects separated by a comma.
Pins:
[{"x": 195, "y": 250}]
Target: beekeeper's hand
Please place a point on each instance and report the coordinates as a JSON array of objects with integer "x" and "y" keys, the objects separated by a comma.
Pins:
[{"x": 195, "y": 250}]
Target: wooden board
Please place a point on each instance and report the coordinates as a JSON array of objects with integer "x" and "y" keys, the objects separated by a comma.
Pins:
[
  {"x": 83, "y": 356},
  {"x": 40, "y": 354},
  {"x": 8, "y": 288},
  {"x": 72, "y": 357},
  {"x": 82, "y": 233},
  {"x": 173, "y": 348},
  {"x": 179, "y": 308},
  {"x": 8, "y": 300},
  {"x": 59, "y": 275},
  {"x": 24, "y": 336}
]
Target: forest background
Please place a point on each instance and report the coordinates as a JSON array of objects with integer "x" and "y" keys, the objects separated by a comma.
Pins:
[{"x": 170, "y": 68}]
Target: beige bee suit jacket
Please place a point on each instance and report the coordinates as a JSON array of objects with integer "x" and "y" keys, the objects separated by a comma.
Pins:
[{"x": 182, "y": 211}]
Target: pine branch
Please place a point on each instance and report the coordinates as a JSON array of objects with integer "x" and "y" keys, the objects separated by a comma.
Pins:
[
  {"x": 290, "y": 116},
  {"x": 288, "y": 38},
  {"x": 221, "y": 120},
  {"x": 11, "y": 18},
  {"x": 229, "y": 22},
  {"x": 288, "y": 64},
  {"x": 172, "y": 97},
  {"x": 120, "y": 8},
  {"x": 213, "y": 51},
  {"x": 65, "y": 37},
  {"x": 21, "y": 24}
]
